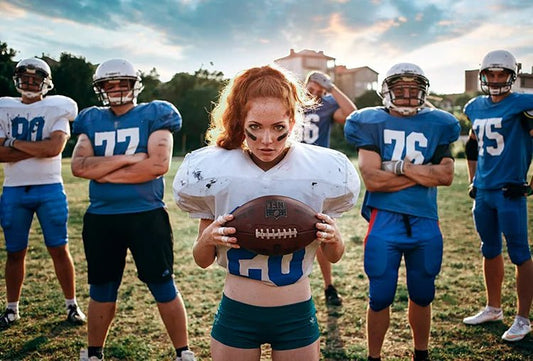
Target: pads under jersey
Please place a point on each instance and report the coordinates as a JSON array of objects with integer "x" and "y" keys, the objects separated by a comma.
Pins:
[
  {"x": 213, "y": 181},
  {"x": 317, "y": 123},
  {"x": 35, "y": 122},
  {"x": 504, "y": 143},
  {"x": 125, "y": 134},
  {"x": 416, "y": 137}
]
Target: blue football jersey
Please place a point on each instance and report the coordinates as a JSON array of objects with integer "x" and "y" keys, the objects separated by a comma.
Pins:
[
  {"x": 317, "y": 123},
  {"x": 504, "y": 144},
  {"x": 126, "y": 134},
  {"x": 416, "y": 137}
]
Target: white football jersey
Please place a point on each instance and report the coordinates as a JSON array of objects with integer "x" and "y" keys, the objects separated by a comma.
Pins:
[
  {"x": 35, "y": 122},
  {"x": 213, "y": 181}
]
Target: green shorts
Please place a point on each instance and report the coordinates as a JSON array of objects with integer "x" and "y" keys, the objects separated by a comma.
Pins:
[{"x": 283, "y": 327}]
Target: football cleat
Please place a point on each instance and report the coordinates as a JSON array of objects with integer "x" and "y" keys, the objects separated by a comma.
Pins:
[
  {"x": 520, "y": 328},
  {"x": 485, "y": 315},
  {"x": 75, "y": 316},
  {"x": 186, "y": 355},
  {"x": 8, "y": 318},
  {"x": 84, "y": 356},
  {"x": 332, "y": 297}
]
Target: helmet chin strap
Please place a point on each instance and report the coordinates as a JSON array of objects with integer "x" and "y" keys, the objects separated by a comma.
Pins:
[
  {"x": 120, "y": 100},
  {"x": 499, "y": 90},
  {"x": 405, "y": 110},
  {"x": 29, "y": 94}
]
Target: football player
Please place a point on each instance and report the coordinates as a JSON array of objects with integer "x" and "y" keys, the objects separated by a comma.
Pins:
[
  {"x": 499, "y": 155},
  {"x": 125, "y": 149},
  {"x": 404, "y": 155},
  {"x": 34, "y": 130},
  {"x": 266, "y": 299},
  {"x": 333, "y": 106}
]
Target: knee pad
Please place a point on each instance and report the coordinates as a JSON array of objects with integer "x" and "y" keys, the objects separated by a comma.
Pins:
[
  {"x": 163, "y": 291},
  {"x": 104, "y": 292},
  {"x": 490, "y": 251},
  {"x": 518, "y": 254},
  {"x": 381, "y": 295},
  {"x": 422, "y": 297}
]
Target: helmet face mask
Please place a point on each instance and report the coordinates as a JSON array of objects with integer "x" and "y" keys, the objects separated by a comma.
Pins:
[
  {"x": 116, "y": 82},
  {"x": 492, "y": 64},
  {"x": 404, "y": 89},
  {"x": 33, "y": 78}
]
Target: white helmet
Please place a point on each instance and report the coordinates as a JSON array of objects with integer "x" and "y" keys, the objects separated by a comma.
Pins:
[
  {"x": 37, "y": 68},
  {"x": 117, "y": 69},
  {"x": 498, "y": 60},
  {"x": 404, "y": 72}
]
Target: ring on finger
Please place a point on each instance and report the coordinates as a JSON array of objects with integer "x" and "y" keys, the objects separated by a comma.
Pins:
[
  {"x": 225, "y": 239},
  {"x": 220, "y": 219},
  {"x": 221, "y": 231}
]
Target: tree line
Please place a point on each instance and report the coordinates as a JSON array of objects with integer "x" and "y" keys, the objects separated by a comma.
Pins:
[{"x": 193, "y": 95}]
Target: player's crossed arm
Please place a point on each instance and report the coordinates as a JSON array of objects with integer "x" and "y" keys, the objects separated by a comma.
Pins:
[
  {"x": 153, "y": 165},
  {"x": 85, "y": 164},
  {"x": 377, "y": 179}
]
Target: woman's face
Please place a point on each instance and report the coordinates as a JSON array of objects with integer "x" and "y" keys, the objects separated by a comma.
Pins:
[{"x": 267, "y": 127}]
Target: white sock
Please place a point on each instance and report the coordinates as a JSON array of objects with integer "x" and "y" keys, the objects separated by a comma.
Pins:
[
  {"x": 13, "y": 306},
  {"x": 71, "y": 301},
  {"x": 526, "y": 320},
  {"x": 493, "y": 309}
]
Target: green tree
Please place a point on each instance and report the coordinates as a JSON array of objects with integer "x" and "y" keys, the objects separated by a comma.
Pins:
[
  {"x": 370, "y": 98},
  {"x": 193, "y": 95},
  {"x": 151, "y": 85},
  {"x": 7, "y": 68},
  {"x": 72, "y": 77}
]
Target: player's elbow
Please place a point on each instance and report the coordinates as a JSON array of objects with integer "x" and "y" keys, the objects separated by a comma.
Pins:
[
  {"x": 373, "y": 186},
  {"x": 447, "y": 179},
  {"x": 51, "y": 152},
  {"x": 159, "y": 170},
  {"x": 77, "y": 168},
  {"x": 202, "y": 262}
]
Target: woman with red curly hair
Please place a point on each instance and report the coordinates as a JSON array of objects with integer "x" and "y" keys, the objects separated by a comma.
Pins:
[{"x": 252, "y": 152}]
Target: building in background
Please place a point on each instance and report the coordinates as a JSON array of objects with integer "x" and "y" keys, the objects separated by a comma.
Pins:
[
  {"x": 523, "y": 83},
  {"x": 353, "y": 82},
  {"x": 302, "y": 62}
]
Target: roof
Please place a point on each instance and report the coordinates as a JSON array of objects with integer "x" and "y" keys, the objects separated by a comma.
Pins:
[
  {"x": 342, "y": 69},
  {"x": 306, "y": 53}
]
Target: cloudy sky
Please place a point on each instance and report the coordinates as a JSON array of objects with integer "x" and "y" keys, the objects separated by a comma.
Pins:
[{"x": 444, "y": 37}]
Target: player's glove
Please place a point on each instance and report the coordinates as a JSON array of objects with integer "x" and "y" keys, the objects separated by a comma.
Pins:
[
  {"x": 393, "y": 166},
  {"x": 513, "y": 190},
  {"x": 8, "y": 142},
  {"x": 321, "y": 79},
  {"x": 472, "y": 190}
]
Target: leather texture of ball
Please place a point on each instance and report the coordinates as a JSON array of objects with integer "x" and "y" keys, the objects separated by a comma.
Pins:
[{"x": 274, "y": 225}]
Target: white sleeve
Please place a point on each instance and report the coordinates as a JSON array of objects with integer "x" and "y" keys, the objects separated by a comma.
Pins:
[
  {"x": 67, "y": 112},
  {"x": 188, "y": 192},
  {"x": 340, "y": 202}
]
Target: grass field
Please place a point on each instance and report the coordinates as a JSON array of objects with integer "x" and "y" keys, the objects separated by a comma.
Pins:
[{"x": 137, "y": 332}]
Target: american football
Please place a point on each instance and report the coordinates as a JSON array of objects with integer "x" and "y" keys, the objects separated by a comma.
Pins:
[{"x": 274, "y": 225}]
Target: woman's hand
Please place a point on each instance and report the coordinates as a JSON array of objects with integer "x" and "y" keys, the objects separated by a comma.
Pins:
[
  {"x": 330, "y": 239},
  {"x": 216, "y": 234},
  {"x": 328, "y": 231}
]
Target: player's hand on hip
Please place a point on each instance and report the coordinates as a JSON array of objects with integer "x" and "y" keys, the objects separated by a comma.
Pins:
[{"x": 472, "y": 191}]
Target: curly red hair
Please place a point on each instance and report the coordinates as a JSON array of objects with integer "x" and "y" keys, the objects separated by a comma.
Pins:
[{"x": 227, "y": 119}]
